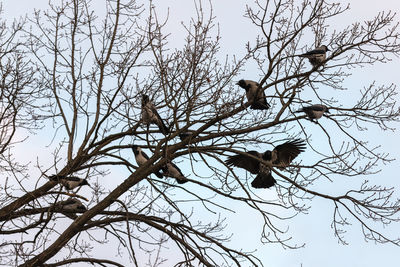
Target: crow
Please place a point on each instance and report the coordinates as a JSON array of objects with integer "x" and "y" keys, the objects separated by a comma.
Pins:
[
  {"x": 316, "y": 56},
  {"x": 72, "y": 204},
  {"x": 281, "y": 156},
  {"x": 142, "y": 157},
  {"x": 150, "y": 115},
  {"x": 314, "y": 111},
  {"x": 70, "y": 182},
  {"x": 251, "y": 87},
  {"x": 171, "y": 170}
]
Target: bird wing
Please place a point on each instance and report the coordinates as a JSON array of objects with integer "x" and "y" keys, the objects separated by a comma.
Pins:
[
  {"x": 173, "y": 169},
  {"x": 316, "y": 51},
  {"x": 145, "y": 155},
  {"x": 288, "y": 151},
  {"x": 175, "y": 172},
  {"x": 245, "y": 162},
  {"x": 317, "y": 107},
  {"x": 72, "y": 179},
  {"x": 69, "y": 201},
  {"x": 260, "y": 102},
  {"x": 160, "y": 123}
]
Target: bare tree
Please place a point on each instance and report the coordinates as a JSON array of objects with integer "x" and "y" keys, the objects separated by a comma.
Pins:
[
  {"x": 92, "y": 73},
  {"x": 17, "y": 110}
]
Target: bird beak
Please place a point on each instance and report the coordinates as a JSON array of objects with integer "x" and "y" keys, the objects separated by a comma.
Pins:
[{"x": 237, "y": 83}]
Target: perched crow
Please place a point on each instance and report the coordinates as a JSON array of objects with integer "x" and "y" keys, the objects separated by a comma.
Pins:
[
  {"x": 314, "y": 111},
  {"x": 316, "y": 56},
  {"x": 70, "y": 182},
  {"x": 171, "y": 170},
  {"x": 150, "y": 115},
  {"x": 251, "y": 88},
  {"x": 72, "y": 204},
  {"x": 141, "y": 158},
  {"x": 281, "y": 156}
]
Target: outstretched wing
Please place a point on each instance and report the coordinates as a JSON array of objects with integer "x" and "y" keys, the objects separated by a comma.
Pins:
[
  {"x": 288, "y": 151},
  {"x": 245, "y": 162}
]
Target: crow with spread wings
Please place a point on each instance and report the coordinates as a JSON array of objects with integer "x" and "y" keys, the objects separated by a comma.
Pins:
[{"x": 281, "y": 156}]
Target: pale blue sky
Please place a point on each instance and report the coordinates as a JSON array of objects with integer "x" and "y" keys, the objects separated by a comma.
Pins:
[{"x": 313, "y": 229}]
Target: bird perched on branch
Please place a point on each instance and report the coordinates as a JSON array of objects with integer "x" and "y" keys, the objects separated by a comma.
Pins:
[
  {"x": 171, "y": 170},
  {"x": 252, "y": 89},
  {"x": 72, "y": 204},
  {"x": 316, "y": 56},
  {"x": 150, "y": 115},
  {"x": 314, "y": 111},
  {"x": 70, "y": 182},
  {"x": 280, "y": 157},
  {"x": 142, "y": 158}
]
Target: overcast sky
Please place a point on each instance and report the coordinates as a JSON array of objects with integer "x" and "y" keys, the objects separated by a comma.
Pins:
[{"x": 322, "y": 249}]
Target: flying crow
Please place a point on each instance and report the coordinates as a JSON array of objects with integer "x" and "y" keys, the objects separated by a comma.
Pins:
[
  {"x": 72, "y": 204},
  {"x": 150, "y": 115},
  {"x": 70, "y": 182},
  {"x": 316, "y": 56},
  {"x": 142, "y": 157},
  {"x": 251, "y": 87},
  {"x": 314, "y": 111},
  {"x": 171, "y": 170},
  {"x": 281, "y": 156}
]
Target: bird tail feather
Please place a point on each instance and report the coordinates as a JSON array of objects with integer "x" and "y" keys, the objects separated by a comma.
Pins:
[
  {"x": 163, "y": 128},
  {"x": 181, "y": 181},
  {"x": 263, "y": 180},
  {"x": 158, "y": 174}
]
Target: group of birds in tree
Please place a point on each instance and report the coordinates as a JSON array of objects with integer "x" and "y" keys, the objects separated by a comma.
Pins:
[
  {"x": 282, "y": 155},
  {"x": 254, "y": 162}
]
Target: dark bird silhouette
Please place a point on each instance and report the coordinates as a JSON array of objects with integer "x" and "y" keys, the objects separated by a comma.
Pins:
[
  {"x": 150, "y": 115},
  {"x": 314, "y": 111},
  {"x": 142, "y": 158},
  {"x": 72, "y": 204},
  {"x": 186, "y": 134},
  {"x": 171, "y": 170},
  {"x": 316, "y": 56},
  {"x": 280, "y": 157},
  {"x": 251, "y": 87},
  {"x": 69, "y": 182}
]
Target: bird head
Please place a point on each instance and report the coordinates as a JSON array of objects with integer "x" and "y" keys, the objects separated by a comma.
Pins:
[
  {"x": 242, "y": 83},
  {"x": 85, "y": 182},
  {"x": 135, "y": 149},
  {"x": 267, "y": 155},
  {"x": 145, "y": 99},
  {"x": 325, "y": 48}
]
